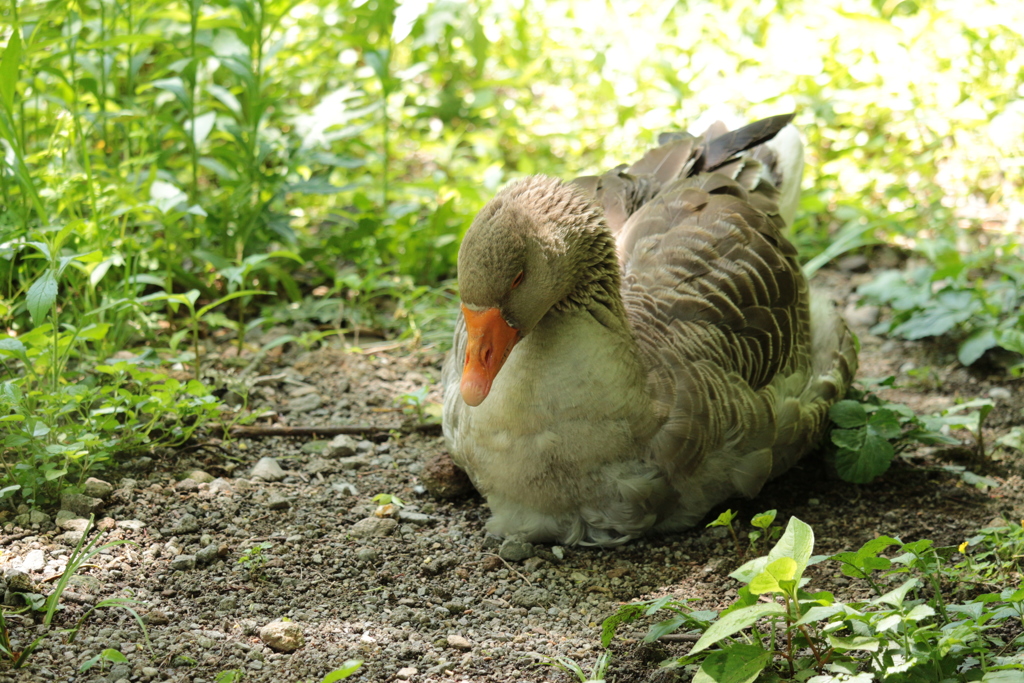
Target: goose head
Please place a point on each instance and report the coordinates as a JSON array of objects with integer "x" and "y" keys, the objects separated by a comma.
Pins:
[{"x": 539, "y": 245}]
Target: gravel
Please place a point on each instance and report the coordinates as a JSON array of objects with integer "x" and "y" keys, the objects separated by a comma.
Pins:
[{"x": 422, "y": 594}]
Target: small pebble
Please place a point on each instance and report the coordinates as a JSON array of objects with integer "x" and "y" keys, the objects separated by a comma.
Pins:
[
  {"x": 97, "y": 488},
  {"x": 184, "y": 563},
  {"x": 341, "y": 446},
  {"x": 373, "y": 527},
  {"x": 345, "y": 488},
  {"x": 188, "y": 524},
  {"x": 458, "y": 642},
  {"x": 267, "y": 469},
  {"x": 514, "y": 550},
  {"x": 278, "y": 501},
  {"x": 1000, "y": 393},
  {"x": 282, "y": 636},
  {"x": 201, "y": 476},
  {"x": 81, "y": 504},
  {"x": 304, "y": 404}
]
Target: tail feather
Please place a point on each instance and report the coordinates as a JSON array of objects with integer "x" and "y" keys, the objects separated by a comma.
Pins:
[{"x": 783, "y": 157}]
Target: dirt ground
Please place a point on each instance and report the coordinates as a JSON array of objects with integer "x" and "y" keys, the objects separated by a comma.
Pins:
[{"x": 426, "y": 597}]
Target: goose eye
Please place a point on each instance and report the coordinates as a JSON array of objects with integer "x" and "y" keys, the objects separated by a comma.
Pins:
[{"x": 517, "y": 280}]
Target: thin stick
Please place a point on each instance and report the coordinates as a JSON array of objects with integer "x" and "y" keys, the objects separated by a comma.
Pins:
[
  {"x": 255, "y": 432},
  {"x": 679, "y": 638}
]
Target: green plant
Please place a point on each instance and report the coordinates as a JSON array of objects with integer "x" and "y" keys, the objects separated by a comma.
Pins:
[
  {"x": 84, "y": 550},
  {"x": 108, "y": 655},
  {"x": 17, "y": 658},
  {"x": 344, "y": 671},
  {"x": 764, "y": 531},
  {"x": 254, "y": 560},
  {"x": 992, "y": 557},
  {"x": 60, "y": 437},
  {"x": 415, "y": 403},
  {"x": 230, "y": 676},
  {"x": 960, "y": 416},
  {"x": 388, "y": 499},
  {"x": 952, "y": 299},
  {"x": 778, "y": 629},
  {"x": 195, "y": 315},
  {"x": 868, "y": 426},
  {"x": 1014, "y": 439},
  {"x": 569, "y": 666},
  {"x": 725, "y": 519}
]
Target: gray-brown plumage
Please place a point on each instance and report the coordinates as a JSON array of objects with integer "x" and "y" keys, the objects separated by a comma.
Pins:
[{"x": 637, "y": 347}]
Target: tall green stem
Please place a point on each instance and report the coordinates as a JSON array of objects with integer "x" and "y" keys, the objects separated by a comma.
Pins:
[{"x": 193, "y": 73}]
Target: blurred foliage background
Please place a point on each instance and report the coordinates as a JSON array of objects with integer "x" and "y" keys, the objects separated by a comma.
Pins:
[{"x": 173, "y": 173}]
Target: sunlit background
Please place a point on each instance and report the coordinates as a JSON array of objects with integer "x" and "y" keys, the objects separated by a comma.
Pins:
[{"x": 176, "y": 174}]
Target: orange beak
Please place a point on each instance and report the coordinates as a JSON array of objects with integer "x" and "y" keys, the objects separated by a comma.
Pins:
[{"x": 489, "y": 341}]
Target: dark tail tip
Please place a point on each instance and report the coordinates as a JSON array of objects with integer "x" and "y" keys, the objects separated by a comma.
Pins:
[{"x": 723, "y": 148}]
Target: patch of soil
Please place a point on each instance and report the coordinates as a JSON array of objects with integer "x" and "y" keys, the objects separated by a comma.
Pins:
[{"x": 425, "y": 597}]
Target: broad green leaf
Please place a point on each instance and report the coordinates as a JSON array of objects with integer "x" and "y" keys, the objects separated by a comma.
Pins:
[
  {"x": 748, "y": 570},
  {"x": 94, "y": 332},
  {"x": 112, "y": 655},
  {"x": 224, "y": 299},
  {"x": 41, "y": 296},
  {"x": 10, "y": 64},
  {"x": 1012, "y": 439},
  {"x": 165, "y": 196},
  {"x": 797, "y": 542},
  {"x": 885, "y": 424},
  {"x": 768, "y": 581},
  {"x": 379, "y": 61},
  {"x": 921, "y": 612},
  {"x": 764, "y": 520},
  {"x": 225, "y": 97},
  {"x": 972, "y": 348},
  {"x": 850, "y": 439},
  {"x": 822, "y": 613},
  {"x": 848, "y": 414},
  {"x": 173, "y": 85},
  {"x": 739, "y": 663},
  {"x": 664, "y": 628},
  {"x": 407, "y": 14},
  {"x": 724, "y": 519},
  {"x": 54, "y": 474},
  {"x": 11, "y": 344},
  {"x": 200, "y": 129},
  {"x": 1003, "y": 676},
  {"x": 732, "y": 622},
  {"x": 133, "y": 39},
  {"x": 896, "y": 596},
  {"x": 888, "y": 623},
  {"x": 844, "y": 644},
  {"x": 872, "y": 460},
  {"x": 1012, "y": 340},
  {"x": 346, "y": 670}
]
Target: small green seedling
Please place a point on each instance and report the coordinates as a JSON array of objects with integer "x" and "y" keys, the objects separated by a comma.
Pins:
[
  {"x": 254, "y": 559},
  {"x": 725, "y": 519},
  {"x": 229, "y": 676},
  {"x": 571, "y": 667},
  {"x": 764, "y": 530},
  {"x": 109, "y": 655},
  {"x": 388, "y": 499},
  {"x": 344, "y": 671}
]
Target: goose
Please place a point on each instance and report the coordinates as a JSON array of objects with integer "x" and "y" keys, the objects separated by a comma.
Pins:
[{"x": 636, "y": 347}]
